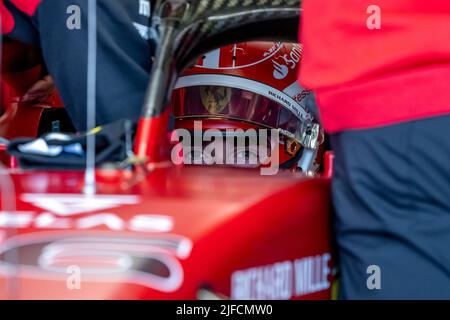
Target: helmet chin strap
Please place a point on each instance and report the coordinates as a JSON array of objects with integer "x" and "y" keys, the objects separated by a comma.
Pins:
[
  {"x": 303, "y": 159},
  {"x": 306, "y": 160}
]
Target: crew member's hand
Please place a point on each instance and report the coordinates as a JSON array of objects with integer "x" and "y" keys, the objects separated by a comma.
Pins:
[{"x": 40, "y": 90}]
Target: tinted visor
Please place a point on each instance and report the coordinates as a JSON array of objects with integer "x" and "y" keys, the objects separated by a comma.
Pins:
[{"x": 235, "y": 104}]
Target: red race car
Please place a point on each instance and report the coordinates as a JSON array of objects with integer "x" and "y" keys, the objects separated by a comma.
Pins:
[{"x": 158, "y": 229}]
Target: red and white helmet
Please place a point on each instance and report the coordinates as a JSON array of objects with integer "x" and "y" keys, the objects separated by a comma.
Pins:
[{"x": 251, "y": 85}]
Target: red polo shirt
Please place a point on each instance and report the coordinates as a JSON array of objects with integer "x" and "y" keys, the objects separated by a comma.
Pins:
[{"x": 366, "y": 78}]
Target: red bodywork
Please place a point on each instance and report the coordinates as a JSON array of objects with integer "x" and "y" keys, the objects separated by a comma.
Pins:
[
  {"x": 225, "y": 220},
  {"x": 163, "y": 234}
]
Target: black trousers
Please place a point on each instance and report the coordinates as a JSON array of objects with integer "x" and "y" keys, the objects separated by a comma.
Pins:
[{"x": 391, "y": 193}]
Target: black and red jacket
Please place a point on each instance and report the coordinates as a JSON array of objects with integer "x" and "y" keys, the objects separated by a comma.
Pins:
[
  {"x": 367, "y": 78},
  {"x": 125, "y": 49},
  {"x": 27, "y": 7}
]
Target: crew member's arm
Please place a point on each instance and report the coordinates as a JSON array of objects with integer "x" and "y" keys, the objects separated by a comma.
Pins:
[{"x": 20, "y": 52}]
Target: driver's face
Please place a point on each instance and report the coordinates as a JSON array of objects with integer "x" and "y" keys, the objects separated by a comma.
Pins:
[{"x": 228, "y": 153}]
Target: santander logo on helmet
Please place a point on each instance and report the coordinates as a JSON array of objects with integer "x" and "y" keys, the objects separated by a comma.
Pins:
[{"x": 281, "y": 71}]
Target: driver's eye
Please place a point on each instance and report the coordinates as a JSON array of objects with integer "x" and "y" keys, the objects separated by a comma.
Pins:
[
  {"x": 193, "y": 155},
  {"x": 246, "y": 157}
]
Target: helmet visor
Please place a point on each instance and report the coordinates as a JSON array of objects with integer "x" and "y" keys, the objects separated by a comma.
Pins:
[{"x": 234, "y": 104}]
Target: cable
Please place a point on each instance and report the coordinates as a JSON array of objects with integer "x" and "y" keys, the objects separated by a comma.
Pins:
[{"x": 89, "y": 179}]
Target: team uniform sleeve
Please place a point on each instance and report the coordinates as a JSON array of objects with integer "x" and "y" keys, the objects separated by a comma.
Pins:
[{"x": 365, "y": 77}]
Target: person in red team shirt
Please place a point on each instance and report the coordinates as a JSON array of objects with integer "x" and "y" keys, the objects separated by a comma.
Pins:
[{"x": 383, "y": 93}]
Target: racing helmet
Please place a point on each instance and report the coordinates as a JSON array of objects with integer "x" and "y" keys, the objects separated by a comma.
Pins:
[{"x": 251, "y": 85}]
